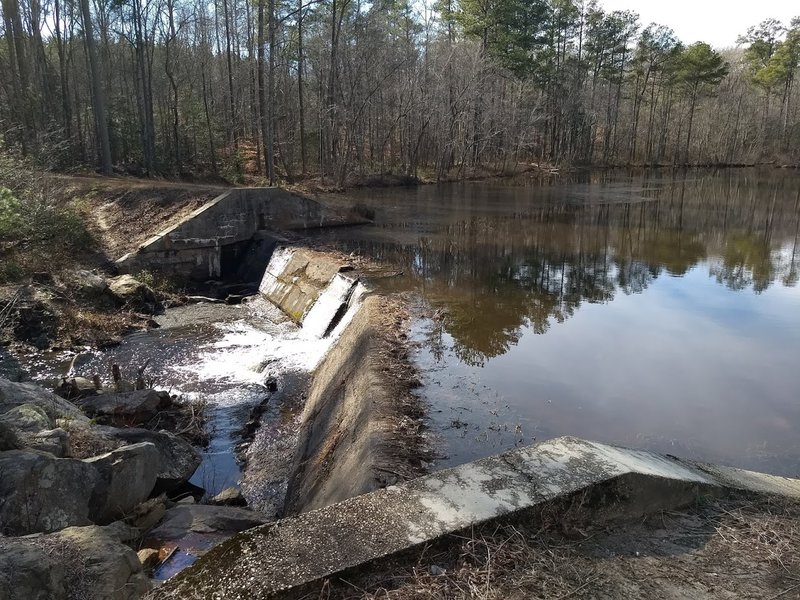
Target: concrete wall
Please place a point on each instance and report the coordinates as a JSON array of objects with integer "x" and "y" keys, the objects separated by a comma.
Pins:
[
  {"x": 212, "y": 241},
  {"x": 294, "y": 556},
  {"x": 349, "y": 441},
  {"x": 296, "y": 277}
]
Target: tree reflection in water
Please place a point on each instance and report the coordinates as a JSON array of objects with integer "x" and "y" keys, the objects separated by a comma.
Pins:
[{"x": 497, "y": 259}]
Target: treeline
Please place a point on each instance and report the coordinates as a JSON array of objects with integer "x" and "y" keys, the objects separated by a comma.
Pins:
[{"x": 348, "y": 89}]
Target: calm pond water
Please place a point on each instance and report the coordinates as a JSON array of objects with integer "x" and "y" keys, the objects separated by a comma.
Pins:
[{"x": 658, "y": 311}]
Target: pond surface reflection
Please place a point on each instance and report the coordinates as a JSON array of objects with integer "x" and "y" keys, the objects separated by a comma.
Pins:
[{"x": 658, "y": 311}]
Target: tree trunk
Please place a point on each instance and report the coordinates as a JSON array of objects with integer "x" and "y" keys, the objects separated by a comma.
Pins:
[{"x": 98, "y": 93}]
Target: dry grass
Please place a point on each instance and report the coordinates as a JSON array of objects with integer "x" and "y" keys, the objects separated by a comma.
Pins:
[{"x": 733, "y": 548}]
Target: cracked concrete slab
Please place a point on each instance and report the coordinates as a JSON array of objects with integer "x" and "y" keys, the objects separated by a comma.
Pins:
[{"x": 281, "y": 559}]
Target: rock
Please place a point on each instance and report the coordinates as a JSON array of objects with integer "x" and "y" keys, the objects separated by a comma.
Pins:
[
  {"x": 149, "y": 558},
  {"x": 184, "y": 519},
  {"x": 127, "y": 476},
  {"x": 75, "y": 388},
  {"x": 41, "y": 493},
  {"x": 88, "y": 284},
  {"x": 78, "y": 562},
  {"x": 8, "y": 438},
  {"x": 27, "y": 418},
  {"x": 148, "y": 514},
  {"x": 133, "y": 293},
  {"x": 127, "y": 408},
  {"x": 53, "y": 441},
  {"x": 14, "y": 394},
  {"x": 28, "y": 572},
  {"x": 178, "y": 458},
  {"x": 229, "y": 497},
  {"x": 113, "y": 569}
]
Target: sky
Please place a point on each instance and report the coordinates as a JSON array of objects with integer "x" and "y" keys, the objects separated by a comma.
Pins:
[{"x": 718, "y": 22}]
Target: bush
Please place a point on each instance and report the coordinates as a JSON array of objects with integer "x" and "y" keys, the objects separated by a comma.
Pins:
[
  {"x": 10, "y": 215},
  {"x": 38, "y": 232}
]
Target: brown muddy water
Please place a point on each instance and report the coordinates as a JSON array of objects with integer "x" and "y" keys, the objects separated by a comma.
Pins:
[{"x": 658, "y": 311}]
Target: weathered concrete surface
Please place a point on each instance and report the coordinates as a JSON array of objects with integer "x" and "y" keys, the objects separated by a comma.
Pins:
[
  {"x": 352, "y": 436},
  {"x": 282, "y": 559},
  {"x": 295, "y": 278},
  {"x": 214, "y": 239}
]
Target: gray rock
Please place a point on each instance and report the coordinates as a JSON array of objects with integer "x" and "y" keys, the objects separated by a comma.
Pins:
[
  {"x": 41, "y": 493},
  {"x": 178, "y": 458},
  {"x": 14, "y": 394},
  {"x": 88, "y": 284},
  {"x": 78, "y": 562},
  {"x": 114, "y": 570},
  {"x": 27, "y": 418},
  {"x": 229, "y": 497},
  {"x": 28, "y": 572},
  {"x": 127, "y": 476},
  {"x": 53, "y": 441},
  {"x": 131, "y": 292},
  {"x": 184, "y": 519},
  {"x": 127, "y": 408},
  {"x": 8, "y": 438}
]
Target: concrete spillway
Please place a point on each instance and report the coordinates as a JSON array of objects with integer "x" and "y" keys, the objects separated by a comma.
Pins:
[{"x": 314, "y": 289}]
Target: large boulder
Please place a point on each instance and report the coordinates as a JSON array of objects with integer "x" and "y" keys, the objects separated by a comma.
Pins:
[
  {"x": 186, "y": 519},
  {"x": 131, "y": 292},
  {"x": 14, "y": 394},
  {"x": 178, "y": 459},
  {"x": 126, "y": 478},
  {"x": 114, "y": 570},
  {"x": 29, "y": 572},
  {"x": 27, "y": 418},
  {"x": 127, "y": 408},
  {"x": 39, "y": 492},
  {"x": 78, "y": 562}
]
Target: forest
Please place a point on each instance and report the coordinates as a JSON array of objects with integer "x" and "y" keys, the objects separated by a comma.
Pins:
[{"x": 347, "y": 90}]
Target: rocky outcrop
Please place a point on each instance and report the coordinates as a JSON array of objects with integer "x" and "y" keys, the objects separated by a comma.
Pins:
[
  {"x": 8, "y": 438},
  {"x": 78, "y": 562},
  {"x": 52, "y": 441},
  {"x": 126, "y": 478},
  {"x": 39, "y": 492}
]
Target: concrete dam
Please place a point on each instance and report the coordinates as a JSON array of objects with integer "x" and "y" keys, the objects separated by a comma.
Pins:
[{"x": 340, "y": 510}]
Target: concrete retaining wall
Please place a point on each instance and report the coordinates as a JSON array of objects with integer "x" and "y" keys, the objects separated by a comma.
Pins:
[
  {"x": 285, "y": 558},
  {"x": 351, "y": 441},
  {"x": 296, "y": 277},
  {"x": 212, "y": 242}
]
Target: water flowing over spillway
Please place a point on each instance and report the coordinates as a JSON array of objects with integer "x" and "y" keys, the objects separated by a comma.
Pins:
[{"x": 223, "y": 356}]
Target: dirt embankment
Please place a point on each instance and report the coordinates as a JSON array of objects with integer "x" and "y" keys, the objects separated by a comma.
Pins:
[
  {"x": 125, "y": 212},
  {"x": 62, "y": 299}
]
